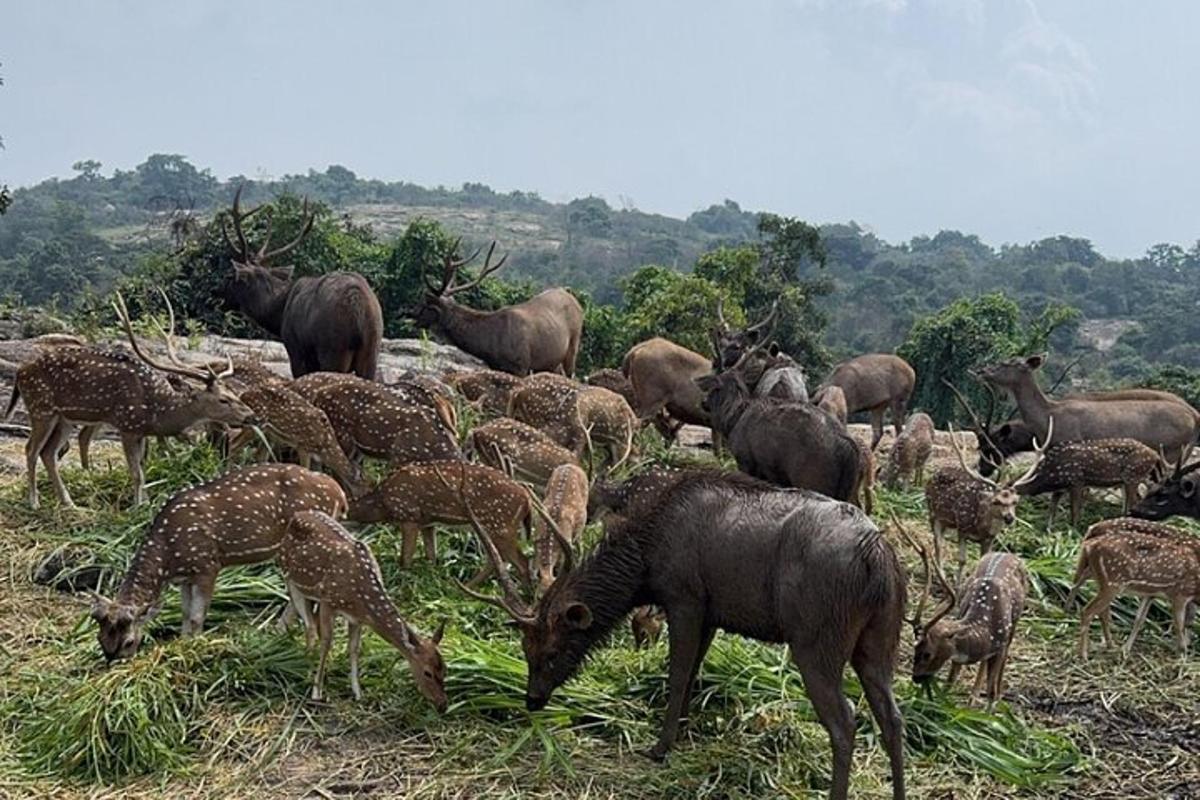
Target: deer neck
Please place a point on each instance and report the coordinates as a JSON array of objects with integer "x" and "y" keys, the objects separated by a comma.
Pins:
[
  {"x": 1032, "y": 403},
  {"x": 267, "y": 305},
  {"x": 177, "y": 414},
  {"x": 387, "y": 622},
  {"x": 611, "y": 582},
  {"x": 465, "y": 326},
  {"x": 972, "y": 640},
  {"x": 147, "y": 574},
  {"x": 727, "y": 413}
]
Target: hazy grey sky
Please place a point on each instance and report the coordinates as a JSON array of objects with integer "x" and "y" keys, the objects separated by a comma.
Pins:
[{"x": 1013, "y": 119}]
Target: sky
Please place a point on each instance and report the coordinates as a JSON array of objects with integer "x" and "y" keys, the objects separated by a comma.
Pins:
[{"x": 1010, "y": 119}]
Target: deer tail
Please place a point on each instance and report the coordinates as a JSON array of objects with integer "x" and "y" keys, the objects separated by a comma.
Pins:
[{"x": 1083, "y": 571}]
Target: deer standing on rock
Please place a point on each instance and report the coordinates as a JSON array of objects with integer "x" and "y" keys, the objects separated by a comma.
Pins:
[
  {"x": 322, "y": 563},
  {"x": 237, "y": 518}
]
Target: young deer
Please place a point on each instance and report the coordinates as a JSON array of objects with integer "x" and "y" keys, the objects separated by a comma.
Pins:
[
  {"x": 565, "y": 502},
  {"x": 488, "y": 390},
  {"x": 832, "y": 400},
  {"x": 532, "y": 455},
  {"x": 322, "y": 563},
  {"x": 237, "y": 518},
  {"x": 910, "y": 452},
  {"x": 975, "y": 507},
  {"x": 1145, "y": 559},
  {"x": 416, "y": 496},
  {"x": 288, "y": 419},
  {"x": 981, "y": 632},
  {"x": 1072, "y": 467},
  {"x": 66, "y": 386},
  {"x": 371, "y": 420}
]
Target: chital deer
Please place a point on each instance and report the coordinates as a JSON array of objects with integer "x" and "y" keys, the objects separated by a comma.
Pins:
[
  {"x": 371, "y": 420},
  {"x": 1073, "y": 467},
  {"x": 322, "y": 563},
  {"x": 416, "y": 496},
  {"x": 488, "y": 390},
  {"x": 982, "y": 630},
  {"x": 565, "y": 501},
  {"x": 615, "y": 381},
  {"x": 507, "y": 444},
  {"x": 646, "y": 624},
  {"x": 975, "y": 507},
  {"x": 1144, "y": 559},
  {"x": 576, "y": 415},
  {"x": 237, "y": 518},
  {"x": 910, "y": 452},
  {"x": 407, "y": 392},
  {"x": 67, "y": 386},
  {"x": 288, "y": 419}
]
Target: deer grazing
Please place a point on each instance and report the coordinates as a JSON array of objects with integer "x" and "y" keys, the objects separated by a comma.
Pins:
[
  {"x": 237, "y": 518},
  {"x": 322, "y": 563},
  {"x": 1073, "y": 467},
  {"x": 910, "y": 452},
  {"x": 981, "y": 632},
  {"x": 566, "y": 502},
  {"x": 1176, "y": 495},
  {"x": 531, "y": 455},
  {"x": 832, "y": 400},
  {"x": 576, "y": 415},
  {"x": 539, "y": 335},
  {"x": 408, "y": 392},
  {"x": 488, "y": 390},
  {"x": 646, "y": 624},
  {"x": 663, "y": 376},
  {"x": 975, "y": 507},
  {"x": 66, "y": 386},
  {"x": 732, "y": 553},
  {"x": 615, "y": 381},
  {"x": 876, "y": 383},
  {"x": 332, "y": 322},
  {"x": 416, "y": 496},
  {"x": 1145, "y": 559}
]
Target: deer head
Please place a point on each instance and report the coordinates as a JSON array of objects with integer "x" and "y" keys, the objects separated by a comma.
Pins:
[
  {"x": 1013, "y": 372},
  {"x": 121, "y": 626},
  {"x": 934, "y": 640},
  {"x": 254, "y": 281},
  {"x": 1003, "y": 497},
  {"x": 438, "y": 296},
  {"x": 1175, "y": 495},
  {"x": 729, "y": 345},
  {"x": 426, "y": 665}
]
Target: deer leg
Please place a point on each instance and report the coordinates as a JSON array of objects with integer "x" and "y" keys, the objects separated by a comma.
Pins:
[
  {"x": 409, "y": 530},
  {"x": 1076, "y": 506},
  {"x": 429, "y": 536},
  {"x": 685, "y": 635},
  {"x": 202, "y": 592},
  {"x": 872, "y": 661},
  {"x": 1055, "y": 499},
  {"x": 899, "y": 410},
  {"x": 952, "y": 677},
  {"x": 1098, "y": 604},
  {"x": 981, "y": 674},
  {"x": 185, "y": 602},
  {"x": 705, "y": 642},
  {"x": 325, "y": 632},
  {"x": 823, "y": 684},
  {"x": 877, "y": 426},
  {"x": 85, "y": 442},
  {"x": 936, "y": 527},
  {"x": 510, "y": 551},
  {"x": 1130, "y": 494},
  {"x": 40, "y": 431},
  {"x": 134, "y": 446},
  {"x": 1179, "y": 615},
  {"x": 995, "y": 668},
  {"x": 1138, "y": 622},
  {"x": 353, "y": 645},
  {"x": 304, "y": 609},
  {"x": 50, "y": 460}
]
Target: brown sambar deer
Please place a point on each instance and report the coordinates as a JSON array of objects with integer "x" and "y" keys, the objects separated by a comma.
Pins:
[
  {"x": 663, "y": 376},
  {"x": 323, "y": 564},
  {"x": 66, "y": 386},
  {"x": 331, "y": 322},
  {"x": 539, "y": 335},
  {"x": 237, "y": 518},
  {"x": 876, "y": 383}
]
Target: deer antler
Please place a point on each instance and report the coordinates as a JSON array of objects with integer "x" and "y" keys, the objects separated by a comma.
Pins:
[
  {"x": 206, "y": 376},
  {"x": 981, "y": 430},
  {"x": 511, "y": 602},
  {"x": 1040, "y": 450},
  {"x": 768, "y": 320},
  {"x": 721, "y": 315},
  {"x": 265, "y": 255},
  {"x": 962, "y": 460},
  {"x": 452, "y": 267},
  {"x": 242, "y": 248},
  {"x": 559, "y": 536},
  {"x": 168, "y": 337},
  {"x": 930, "y": 571}
]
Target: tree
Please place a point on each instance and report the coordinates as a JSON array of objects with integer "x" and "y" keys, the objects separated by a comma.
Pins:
[{"x": 88, "y": 169}]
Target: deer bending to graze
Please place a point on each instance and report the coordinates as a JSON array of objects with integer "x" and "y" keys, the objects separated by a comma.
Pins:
[
  {"x": 488, "y": 390},
  {"x": 632, "y": 495},
  {"x": 67, "y": 386},
  {"x": 1121, "y": 555},
  {"x": 576, "y": 416},
  {"x": 663, "y": 376},
  {"x": 1160, "y": 424},
  {"x": 506, "y": 444},
  {"x": 322, "y": 563},
  {"x": 237, "y": 518},
  {"x": 371, "y": 420},
  {"x": 288, "y": 419},
  {"x": 910, "y": 452},
  {"x": 416, "y": 496},
  {"x": 982, "y": 630},
  {"x": 1176, "y": 495},
  {"x": 974, "y": 507},
  {"x": 832, "y": 400},
  {"x": 331, "y": 322},
  {"x": 539, "y": 335},
  {"x": 732, "y": 553},
  {"x": 1073, "y": 467},
  {"x": 876, "y": 382},
  {"x": 408, "y": 392},
  {"x": 565, "y": 501},
  {"x": 615, "y": 381}
]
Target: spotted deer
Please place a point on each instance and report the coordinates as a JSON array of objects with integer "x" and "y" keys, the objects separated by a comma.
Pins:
[
  {"x": 910, "y": 452},
  {"x": 1073, "y": 467},
  {"x": 410, "y": 392},
  {"x": 416, "y": 496},
  {"x": 565, "y": 501},
  {"x": 531, "y": 455},
  {"x": 1145, "y": 559},
  {"x": 982, "y": 630},
  {"x": 488, "y": 390},
  {"x": 237, "y": 518},
  {"x": 832, "y": 400},
  {"x": 323, "y": 564},
  {"x": 975, "y": 507},
  {"x": 646, "y": 624},
  {"x": 66, "y": 386},
  {"x": 370, "y": 420}
]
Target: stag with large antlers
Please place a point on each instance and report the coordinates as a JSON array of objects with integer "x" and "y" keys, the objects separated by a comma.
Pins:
[
  {"x": 732, "y": 553},
  {"x": 974, "y": 507},
  {"x": 1176, "y": 495},
  {"x": 539, "y": 335},
  {"x": 66, "y": 386},
  {"x": 729, "y": 345},
  {"x": 331, "y": 322},
  {"x": 981, "y": 632}
]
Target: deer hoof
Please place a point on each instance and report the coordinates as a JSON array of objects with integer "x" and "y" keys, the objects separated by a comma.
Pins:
[{"x": 658, "y": 753}]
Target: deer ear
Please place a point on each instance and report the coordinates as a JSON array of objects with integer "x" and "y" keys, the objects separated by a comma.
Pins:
[
  {"x": 150, "y": 613},
  {"x": 1036, "y": 361},
  {"x": 773, "y": 349},
  {"x": 283, "y": 273},
  {"x": 578, "y": 616},
  {"x": 100, "y": 606},
  {"x": 437, "y": 635}
]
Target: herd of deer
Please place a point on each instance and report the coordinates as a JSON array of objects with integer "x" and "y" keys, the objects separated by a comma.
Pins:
[{"x": 784, "y": 552}]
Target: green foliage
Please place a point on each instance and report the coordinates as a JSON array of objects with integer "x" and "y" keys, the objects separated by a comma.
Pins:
[
  {"x": 1182, "y": 381},
  {"x": 662, "y": 302}
]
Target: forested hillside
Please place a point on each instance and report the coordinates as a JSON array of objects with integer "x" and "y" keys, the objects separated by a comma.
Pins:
[{"x": 64, "y": 239}]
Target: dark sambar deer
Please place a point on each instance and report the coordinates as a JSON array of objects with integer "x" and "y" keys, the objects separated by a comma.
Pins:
[
  {"x": 540, "y": 335},
  {"x": 330, "y": 323},
  {"x": 731, "y": 553}
]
